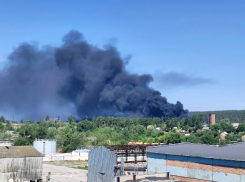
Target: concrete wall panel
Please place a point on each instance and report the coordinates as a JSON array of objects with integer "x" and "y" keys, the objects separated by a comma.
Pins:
[
  {"x": 178, "y": 171},
  {"x": 156, "y": 165},
  {"x": 200, "y": 174},
  {"x": 226, "y": 177},
  {"x": 242, "y": 178}
]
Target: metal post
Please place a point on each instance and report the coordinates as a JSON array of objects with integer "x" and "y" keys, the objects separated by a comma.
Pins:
[
  {"x": 122, "y": 166},
  {"x": 43, "y": 148},
  {"x": 134, "y": 177}
]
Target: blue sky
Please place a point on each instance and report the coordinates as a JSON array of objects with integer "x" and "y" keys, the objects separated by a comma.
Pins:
[{"x": 194, "y": 49}]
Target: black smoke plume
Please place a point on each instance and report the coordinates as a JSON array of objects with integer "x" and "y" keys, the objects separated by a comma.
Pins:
[{"x": 79, "y": 78}]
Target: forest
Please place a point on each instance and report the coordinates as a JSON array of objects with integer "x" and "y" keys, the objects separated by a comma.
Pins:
[
  {"x": 119, "y": 131},
  {"x": 235, "y": 116}
]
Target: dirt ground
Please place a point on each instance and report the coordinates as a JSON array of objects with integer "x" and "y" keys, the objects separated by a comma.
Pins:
[
  {"x": 63, "y": 174},
  {"x": 65, "y": 171}
]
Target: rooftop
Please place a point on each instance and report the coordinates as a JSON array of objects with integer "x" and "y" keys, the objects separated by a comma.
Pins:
[
  {"x": 19, "y": 151},
  {"x": 226, "y": 152}
]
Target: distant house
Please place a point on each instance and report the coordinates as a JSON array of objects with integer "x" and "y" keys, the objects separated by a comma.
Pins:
[
  {"x": 13, "y": 136},
  {"x": 198, "y": 131},
  {"x": 243, "y": 137},
  {"x": 235, "y": 125},
  {"x": 150, "y": 127},
  {"x": 20, "y": 163},
  {"x": 57, "y": 120},
  {"x": 224, "y": 133},
  {"x": 222, "y": 137},
  {"x": 158, "y": 128},
  {"x": 205, "y": 128},
  {"x": 182, "y": 131},
  {"x": 15, "y": 125}
]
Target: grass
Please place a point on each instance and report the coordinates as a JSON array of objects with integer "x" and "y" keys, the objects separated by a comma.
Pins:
[{"x": 80, "y": 167}]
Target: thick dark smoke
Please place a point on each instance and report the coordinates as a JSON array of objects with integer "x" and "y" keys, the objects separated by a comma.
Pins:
[{"x": 80, "y": 77}]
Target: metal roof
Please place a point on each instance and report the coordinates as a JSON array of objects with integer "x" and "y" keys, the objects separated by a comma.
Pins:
[
  {"x": 19, "y": 151},
  {"x": 226, "y": 152}
]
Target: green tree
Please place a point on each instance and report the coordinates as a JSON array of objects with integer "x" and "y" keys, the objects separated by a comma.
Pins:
[
  {"x": 241, "y": 127},
  {"x": 174, "y": 138},
  {"x": 47, "y": 118},
  {"x": 1, "y": 127},
  {"x": 209, "y": 138},
  {"x": 193, "y": 139},
  {"x": 85, "y": 125},
  {"x": 42, "y": 130},
  {"x": 216, "y": 127},
  {"x": 51, "y": 133},
  {"x": 226, "y": 126},
  {"x": 21, "y": 141},
  {"x": 2, "y": 119},
  {"x": 169, "y": 124},
  {"x": 5, "y": 136},
  {"x": 71, "y": 119}
]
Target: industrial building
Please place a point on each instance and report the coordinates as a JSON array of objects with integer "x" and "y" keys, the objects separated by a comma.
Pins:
[
  {"x": 198, "y": 162},
  {"x": 20, "y": 163},
  {"x": 45, "y": 146}
]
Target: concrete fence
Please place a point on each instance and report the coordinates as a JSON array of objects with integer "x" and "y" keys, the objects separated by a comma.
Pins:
[{"x": 66, "y": 156}]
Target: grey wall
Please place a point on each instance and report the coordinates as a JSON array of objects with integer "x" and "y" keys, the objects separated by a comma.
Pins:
[
  {"x": 101, "y": 160},
  {"x": 29, "y": 168}
]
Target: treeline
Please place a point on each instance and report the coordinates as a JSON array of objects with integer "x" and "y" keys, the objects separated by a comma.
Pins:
[
  {"x": 120, "y": 130},
  {"x": 234, "y": 116}
]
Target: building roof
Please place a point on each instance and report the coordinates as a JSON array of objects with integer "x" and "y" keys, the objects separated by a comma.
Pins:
[
  {"x": 235, "y": 124},
  {"x": 227, "y": 152},
  {"x": 222, "y": 137},
  {"x": 19, "y": 151}
]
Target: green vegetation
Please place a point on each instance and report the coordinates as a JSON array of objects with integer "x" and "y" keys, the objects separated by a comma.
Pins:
[
  {"x": 79, "y": 167},
  {"x": 119, "y": 131},
  {"x": 234, "y": 116}
]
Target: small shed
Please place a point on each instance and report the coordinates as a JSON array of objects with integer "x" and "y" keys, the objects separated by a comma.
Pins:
[
  {"x": 101, "y": 165},
  {"x": 20, "y": 163}
]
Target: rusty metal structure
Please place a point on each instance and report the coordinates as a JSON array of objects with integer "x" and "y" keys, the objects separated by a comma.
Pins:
[
  {"x": 129, "y": 151},
  {"x": 211, "y": 119}
]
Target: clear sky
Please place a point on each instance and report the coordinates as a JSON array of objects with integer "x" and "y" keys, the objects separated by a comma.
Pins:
[{"x": 193, "y": 48}]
